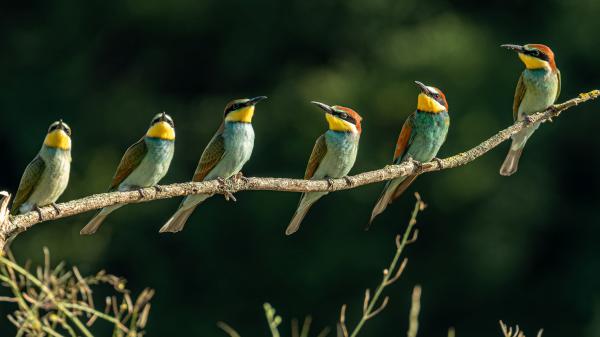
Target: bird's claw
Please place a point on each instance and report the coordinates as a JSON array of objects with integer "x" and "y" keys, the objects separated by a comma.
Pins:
[
  {"x": 158, "y": 188},
  {"x": 418, "y": 165},
  {"x": 55, "y": 206},
  {"x": 439, "y": 162},
  {"x": 229, "y": 196},
  {"x": 528, "y": 120},
  {"x": 348, "y": 181},
  {"x": 222, "y": 182},
  {"x": 141, "y": 193},
  {"x": 329, "y": 183},
  {"x": 39, "y": 212},
  {"x": 240, "y": 176}
]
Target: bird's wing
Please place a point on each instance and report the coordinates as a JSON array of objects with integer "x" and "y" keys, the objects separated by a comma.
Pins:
[
  {"x": 211, "y": 156},
  {"x": 405, "y": 138},
  {"x": 318, "y": 152},
  {"x": 559, "y": 84},
  {"x": 130, "y": 161},
  {"x": 519, "y": 94},
  {"x": 31, "y": 177}
]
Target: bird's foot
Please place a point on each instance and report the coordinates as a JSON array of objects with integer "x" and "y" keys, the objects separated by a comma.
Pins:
[
  {"x": 329, "y": 183},
  {"x": 141, "y": 192},
  {"x": 223, "y": 187},
  {"x": 240, "y": 176},
  {"x": 418, "y": 165},
  {"x": 528, "y": 120},
  {"x": 229, "y": 196},
  {"x": 439, "y": 162},
  {"x": 39, "y": 212},
  {"x": 55, "y": 206},
  {"x": 158, "y": 188},
  {"x": 348, "y": 181}
]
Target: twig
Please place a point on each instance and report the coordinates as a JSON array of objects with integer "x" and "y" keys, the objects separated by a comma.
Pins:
[
  {"x": 228, "y": 329},
  {"x": 20, "y": 223},
  {"x": 415, "y": 308},
  {"x": 370, "y": 307}
]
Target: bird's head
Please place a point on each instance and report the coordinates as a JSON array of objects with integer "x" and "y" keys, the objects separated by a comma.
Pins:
[
  {"x": 341, "y": 118},
  {"x": 431, "y": 99},
  {"x": 58, "y": 136},
  {"x": 535, "y": 56},
  {"x": 161, "y": 127},
  {"x": 241, "y": 110}
]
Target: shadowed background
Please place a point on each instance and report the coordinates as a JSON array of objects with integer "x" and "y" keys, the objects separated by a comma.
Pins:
[{"x": 523, "y": 249}]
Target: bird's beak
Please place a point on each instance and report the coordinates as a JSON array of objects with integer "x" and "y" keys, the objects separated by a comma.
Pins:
[
  {"x": 514, "y": 47},
  {"x": 163, "y": 116},
  {"x": 423, "y": 87},
  {"x": 325, "y": 107},
  {"x": 61, "y": 125},
  {"x": 255, "y": 100}
]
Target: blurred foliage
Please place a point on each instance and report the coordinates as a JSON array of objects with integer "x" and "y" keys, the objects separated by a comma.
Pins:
[{"x": 523, "y": 247}]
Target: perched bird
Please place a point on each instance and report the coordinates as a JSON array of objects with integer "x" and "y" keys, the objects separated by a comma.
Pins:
[
  {"x": 332, "y": 156},
  {"x": 422, "y": 135},
  {"x": 47, "y": 176},
  {"x": 538, "y": 88},
  {"x": 144, "y": 164},
  {"x": 224, "y": 156}
]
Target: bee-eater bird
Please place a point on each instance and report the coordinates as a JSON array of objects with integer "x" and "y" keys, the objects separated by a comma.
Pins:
[
  {"x": 47, "y": 176},
  {"x": 144, "y": 164},
  {"x": 224, "y": 156},
  {"x": 538, "y": 88},
  {"x": 422, "y": 135},
  {"x": 332, "y": 156}
]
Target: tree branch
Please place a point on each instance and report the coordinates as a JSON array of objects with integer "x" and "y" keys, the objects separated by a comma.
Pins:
[{"x": 11, "y": 226}]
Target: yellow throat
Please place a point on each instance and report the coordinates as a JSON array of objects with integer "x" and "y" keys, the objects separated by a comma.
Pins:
[
  {"x": 58, "y": 139},
  {"x": 533, "y": 62},
  {"x": 428, "y": 104},
  {"x": 336, "y": 124},
  {"x": 162, "y": 130},
  {"x": 241, "y": 115}
]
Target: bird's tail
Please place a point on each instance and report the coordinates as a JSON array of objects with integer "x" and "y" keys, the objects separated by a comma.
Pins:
[
  {"x": 511, "y": 163},
  {"x": 186, "y": 208},
  {"x": 307, "y": 200},
  {"x": 97, "y": 220},
  {"x": 392, "y": 190},
  {"x": 177, "y": 221}
]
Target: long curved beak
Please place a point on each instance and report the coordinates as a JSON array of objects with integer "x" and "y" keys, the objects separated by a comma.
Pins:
[
  {"x": 514, "y": 47},
  {"x": 423, "y": 87},
  {"x": 323, "y": 106},
  {"x": 255, "y": 100}
]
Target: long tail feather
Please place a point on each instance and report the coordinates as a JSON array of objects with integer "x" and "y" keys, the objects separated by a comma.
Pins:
[
  {"x": 97, "y": 220},
  {"x": 177, "y": 221},
  {"x": 511, "y": 163},
  {"x": 392, "y": 191},
  {"x": 297, "y": 219}
]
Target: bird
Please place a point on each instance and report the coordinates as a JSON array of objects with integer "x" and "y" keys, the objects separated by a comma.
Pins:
[
  {"x": 422, "y": 135},
  {"x": 537, "y": 89},
  {"x": 47, "y": 176},
  {"x": 224, "y": 156},
  {"x": 333, "y": 155},
  {"x": 143, "y": 165}
]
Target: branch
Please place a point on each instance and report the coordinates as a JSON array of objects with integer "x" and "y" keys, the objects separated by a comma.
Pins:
[{"x": 9, "y": 228}]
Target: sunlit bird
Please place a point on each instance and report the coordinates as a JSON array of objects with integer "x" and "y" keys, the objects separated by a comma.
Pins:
[
  {"x": 537, "y": 89},
  {"x": 422, "y": 135},
  {"x": 143, "y": 165},
  {"x": 224, "y": 156},
  {"x": 47, "y": 176},
  {"x": 333, "y": 155}
]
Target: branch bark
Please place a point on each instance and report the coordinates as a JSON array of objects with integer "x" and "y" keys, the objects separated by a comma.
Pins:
[{"x": 10, "y": 227}]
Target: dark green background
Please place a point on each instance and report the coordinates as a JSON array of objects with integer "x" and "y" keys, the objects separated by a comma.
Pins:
[{"x": 523, "y": 249}]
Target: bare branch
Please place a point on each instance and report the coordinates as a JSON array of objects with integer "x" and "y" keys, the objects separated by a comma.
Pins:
[{"x": 9, "y": 228}]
